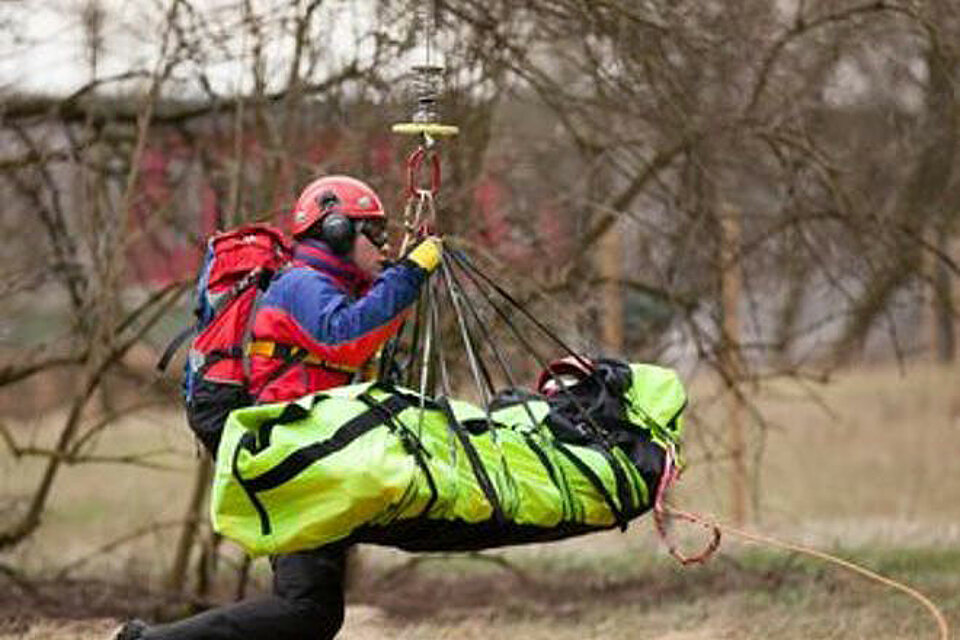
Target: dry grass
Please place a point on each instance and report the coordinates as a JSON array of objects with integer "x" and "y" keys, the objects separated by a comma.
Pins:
[
  {"x": 872, "y": 461},
  {"x": 874, "y": 478}
]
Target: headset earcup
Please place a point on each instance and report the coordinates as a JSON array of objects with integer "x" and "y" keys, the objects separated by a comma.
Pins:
[{"x": 338, "y": 231}]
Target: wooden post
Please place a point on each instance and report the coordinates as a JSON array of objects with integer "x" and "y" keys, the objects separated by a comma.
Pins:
[
  {"x": 930, "y": 296},
  {"x": 730, "y": 291},
  {"x": 611, "y": 269},
  {"x": 941, "y": 301}
]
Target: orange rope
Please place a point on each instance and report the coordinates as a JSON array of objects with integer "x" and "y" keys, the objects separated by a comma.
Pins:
[
  {"x": 873, "y": 575},
  {"x": 668, "y": 476},
  {"x": 661, "y": 511},
  {"x": 941, "y": 620}
]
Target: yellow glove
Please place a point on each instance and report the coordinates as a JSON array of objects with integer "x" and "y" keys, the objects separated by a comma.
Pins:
[{"x": 427, "y": 253}]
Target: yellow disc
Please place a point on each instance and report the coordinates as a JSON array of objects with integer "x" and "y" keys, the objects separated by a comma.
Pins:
[{"x": 429, "y": 128}]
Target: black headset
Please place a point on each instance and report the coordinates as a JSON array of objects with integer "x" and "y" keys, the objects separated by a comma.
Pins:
[{"x": 336, "y": 229}]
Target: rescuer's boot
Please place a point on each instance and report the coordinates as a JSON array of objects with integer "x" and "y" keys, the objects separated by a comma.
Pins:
[{"x": 131, "y": 630}]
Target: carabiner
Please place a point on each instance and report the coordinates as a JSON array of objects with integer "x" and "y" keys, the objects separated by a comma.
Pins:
[{"x": 414, "y": 164}]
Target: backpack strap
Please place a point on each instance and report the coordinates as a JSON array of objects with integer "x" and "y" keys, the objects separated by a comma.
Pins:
[
  {"x": 260, "y": 277},
  {"x": 281, "y": 351},
  {"x": 174, "y": 346},
  {"x": 248, "y": 331}
]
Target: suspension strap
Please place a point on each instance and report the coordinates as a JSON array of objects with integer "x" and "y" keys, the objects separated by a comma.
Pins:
[
  {"x": 419, "y": 217},
  {"x": 475, "y": 276}
]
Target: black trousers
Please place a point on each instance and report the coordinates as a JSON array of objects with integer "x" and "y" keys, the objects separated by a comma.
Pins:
[
  {"x": 306, "y": 604},
  {"x": 308, "y": 586}
]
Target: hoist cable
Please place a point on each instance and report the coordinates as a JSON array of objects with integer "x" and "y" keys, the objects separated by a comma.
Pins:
[{"x": 426, "y": 18}]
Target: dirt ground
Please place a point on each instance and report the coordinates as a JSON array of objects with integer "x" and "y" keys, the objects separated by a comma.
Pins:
[{"x": 740, "y": 595}]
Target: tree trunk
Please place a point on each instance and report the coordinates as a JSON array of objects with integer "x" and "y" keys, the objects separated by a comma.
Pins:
[{"x": 191, "y": 523}]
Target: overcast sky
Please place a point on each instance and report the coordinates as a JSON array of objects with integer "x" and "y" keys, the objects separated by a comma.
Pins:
[{"x": 42, "y": 41}]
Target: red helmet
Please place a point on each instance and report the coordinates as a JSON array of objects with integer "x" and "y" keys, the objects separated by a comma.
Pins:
[
  {"x": 335, "y": 194},
  {"x": 571, "y": 370}
]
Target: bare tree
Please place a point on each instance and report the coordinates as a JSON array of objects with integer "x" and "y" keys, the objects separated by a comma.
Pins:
[{"x": 827, "y": 130}]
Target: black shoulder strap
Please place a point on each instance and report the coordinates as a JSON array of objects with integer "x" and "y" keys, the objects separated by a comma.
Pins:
[
  {"x": 259, "y": 277},
  {"x": 248, "y": 334},
  {"x": 174, "y": 346}
]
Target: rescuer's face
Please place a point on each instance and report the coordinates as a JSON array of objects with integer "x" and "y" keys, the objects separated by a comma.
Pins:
[{"x": 368, "y": 256}]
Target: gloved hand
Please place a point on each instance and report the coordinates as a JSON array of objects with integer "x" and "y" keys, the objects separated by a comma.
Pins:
[{"x": 426, "y": 254}]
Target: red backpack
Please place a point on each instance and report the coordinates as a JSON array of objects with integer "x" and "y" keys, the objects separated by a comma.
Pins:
[{"x": 237, "y": 267}]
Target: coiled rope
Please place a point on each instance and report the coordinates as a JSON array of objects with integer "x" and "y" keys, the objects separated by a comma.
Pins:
[{"x": 661, "y": 512}]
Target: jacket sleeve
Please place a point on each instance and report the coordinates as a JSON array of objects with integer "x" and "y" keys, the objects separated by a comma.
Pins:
[{"x": 346, "y": 330}]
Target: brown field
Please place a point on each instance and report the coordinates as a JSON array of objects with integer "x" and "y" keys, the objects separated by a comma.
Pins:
[{"x": 871, "y": 475}]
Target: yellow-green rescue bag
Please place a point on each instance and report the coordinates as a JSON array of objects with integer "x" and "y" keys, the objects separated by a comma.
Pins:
[{"x": 373, "y": 463}]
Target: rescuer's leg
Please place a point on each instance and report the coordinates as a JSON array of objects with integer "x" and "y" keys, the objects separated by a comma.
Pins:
[{"x": 307, "y": 604}]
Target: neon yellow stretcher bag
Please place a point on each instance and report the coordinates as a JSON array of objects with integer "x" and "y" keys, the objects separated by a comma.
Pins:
[{"x": 380, "y": 464}]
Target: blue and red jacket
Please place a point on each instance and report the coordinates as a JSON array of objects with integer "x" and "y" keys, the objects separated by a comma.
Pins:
[{"x": 322, "y": 319}]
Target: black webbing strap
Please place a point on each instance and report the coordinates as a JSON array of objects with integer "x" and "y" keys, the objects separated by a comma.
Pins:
[
  {"x": 297, "y": 461},
  {"x": 174, "y": 346},
  {"x": 483, "y": 479},
  {"x": 249, "y": 442},
  {"x": 292, "y": 412},
  {"x": 412, "y": 398},
  {"x": 620, "y": 477},
  {"x": 545, "y": 461},
  {"x": 597, "y": 483},
  {"x": 215, "y": 356},
  {"x": 409, "y": 439}
]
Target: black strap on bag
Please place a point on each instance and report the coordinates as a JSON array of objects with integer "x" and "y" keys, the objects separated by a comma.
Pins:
[
  {"x": 299, "y": 460},
  {"x": 548, "y": 466},
  {"x": 292, "y": 412},
  {"x": 597, "y": 483},
  {"x": 624, "y": 494},
  {"x": 483, "y": 479},
  {"x": 410, "y": 441},
  {"x": 249, "y": 442}
]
